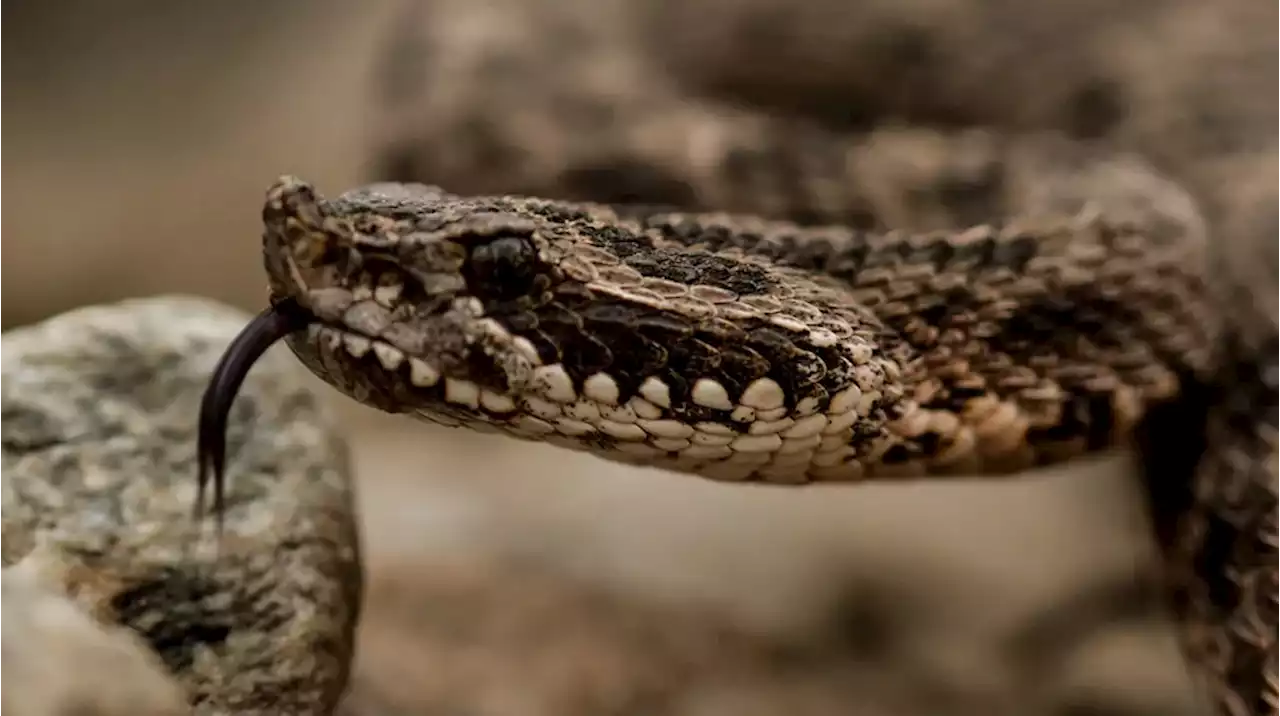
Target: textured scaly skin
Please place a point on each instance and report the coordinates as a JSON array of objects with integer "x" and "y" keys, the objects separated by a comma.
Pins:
[
  {"x": 741, "y": 349},
  {"x": 566, "y": 102}
]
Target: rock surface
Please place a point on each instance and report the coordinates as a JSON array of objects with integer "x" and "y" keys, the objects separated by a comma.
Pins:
[
  {"x": 61, "y": 662},
  {"x": 99, "y": 418}
]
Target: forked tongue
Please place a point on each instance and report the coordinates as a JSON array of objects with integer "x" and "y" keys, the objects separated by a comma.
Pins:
[{"x": 262, "y": 332}]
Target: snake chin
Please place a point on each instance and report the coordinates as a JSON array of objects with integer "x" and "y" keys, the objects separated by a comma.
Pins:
[{"x": 452, "y": 356}]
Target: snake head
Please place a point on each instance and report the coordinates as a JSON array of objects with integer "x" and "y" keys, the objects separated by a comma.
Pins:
[
  {"x": 383, "y": 293},
  {"x": 399, "y": 277},
  {"x": 567, "y": 324}
]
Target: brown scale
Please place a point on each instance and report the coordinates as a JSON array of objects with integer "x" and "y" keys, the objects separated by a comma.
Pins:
[
  {"x": 640, "y": 140},
  {"x": 955, "y": 71},
  {"x": 897, "y": 281},
  {"x": 1223, "y": 546},
  {"x": 925, "y": 326},
  {"x": 1017, "y": 364}
]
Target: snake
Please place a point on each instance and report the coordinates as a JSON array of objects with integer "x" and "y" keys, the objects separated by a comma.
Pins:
[
  {"x": 747, "y": 350},
  {"x": 1081, "y": 305}
]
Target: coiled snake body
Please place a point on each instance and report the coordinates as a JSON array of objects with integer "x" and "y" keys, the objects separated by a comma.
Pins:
[
  {"x": 746, "y": 350},
  {"x": 1097, "y": 311}
]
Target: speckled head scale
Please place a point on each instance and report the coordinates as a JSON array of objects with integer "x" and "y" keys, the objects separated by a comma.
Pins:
[{"x": 392, "y": 283}]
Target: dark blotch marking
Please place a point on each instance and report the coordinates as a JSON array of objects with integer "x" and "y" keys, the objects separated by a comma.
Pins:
[
  {"x": 694, "y": 358},
  {"x": 1095, "y": 109},
  {"x": 1049, "y": 325},
  {"x": 488, "y": 154},
  {"x": 639, "y": 253},
  {"x": 956, "y": 302},
  {"x": 781, "y": 168},
  {"x": 548, "y": 350},
  {"x": 847, "y": 264},
  {"x": 897, "y": 454},
  {"x": 600, "y": 442},
  {"x": 635, "y": 355},
  {"x": 839, "y": 369},
  {"x": 581, "y": 353},
  {"x": 991, "y": 252},
  {"x": 621, "y": 180},
  {"x": 746, "y": 168},
  {"x": 1172, "y": 441},
  {"x": 929, "y": 443},
  {"x": 560, "y": 213},
  {"x": 402, "y": 204},
  {"x": 1220, "y": 540},
  {"x": 791, "y": 366},
  {"x": 818, "y": 255},
  {"x": 739, "y": 365},
  {"x": 174, "y": 613},
  {"x": 484, "y": 371},
  {"x": 1055, "y": 325},
  {"x": 710, "y": 269},
  {"x": 969, "y": 198},
  {"x": 1089, "y": 414},
  {"x": 399, "y": 164},
  {"x": 866, "y": 622},
  {"x": 525, "y": 323},
  {"x": 758, "y": 84}
]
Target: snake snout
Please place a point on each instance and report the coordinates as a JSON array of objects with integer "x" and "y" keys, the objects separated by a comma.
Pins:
[{"x": 304, "y": 247}]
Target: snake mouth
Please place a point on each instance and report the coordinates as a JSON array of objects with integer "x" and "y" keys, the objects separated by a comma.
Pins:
[
  {"x": 470, "y": 374},
  {"x": 283, "y": 318}
]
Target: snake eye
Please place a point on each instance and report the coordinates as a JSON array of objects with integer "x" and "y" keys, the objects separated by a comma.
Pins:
[{"x": 504, "y": 268}]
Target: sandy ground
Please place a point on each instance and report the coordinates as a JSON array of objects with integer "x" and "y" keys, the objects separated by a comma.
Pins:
[{"x": 137, "y": 154}]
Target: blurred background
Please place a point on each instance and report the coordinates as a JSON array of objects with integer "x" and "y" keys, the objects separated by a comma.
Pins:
[{"x": 510, "y": 579}]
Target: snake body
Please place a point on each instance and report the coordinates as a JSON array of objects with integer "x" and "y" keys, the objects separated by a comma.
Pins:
[
  {"x": 742, "y": 349},
  {"x": 935, "y": 303}
]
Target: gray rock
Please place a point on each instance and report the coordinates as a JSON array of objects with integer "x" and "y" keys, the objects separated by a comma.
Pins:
[
  {"x": 62, "y": 662},
  {"x": 98, "y": 431}
]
